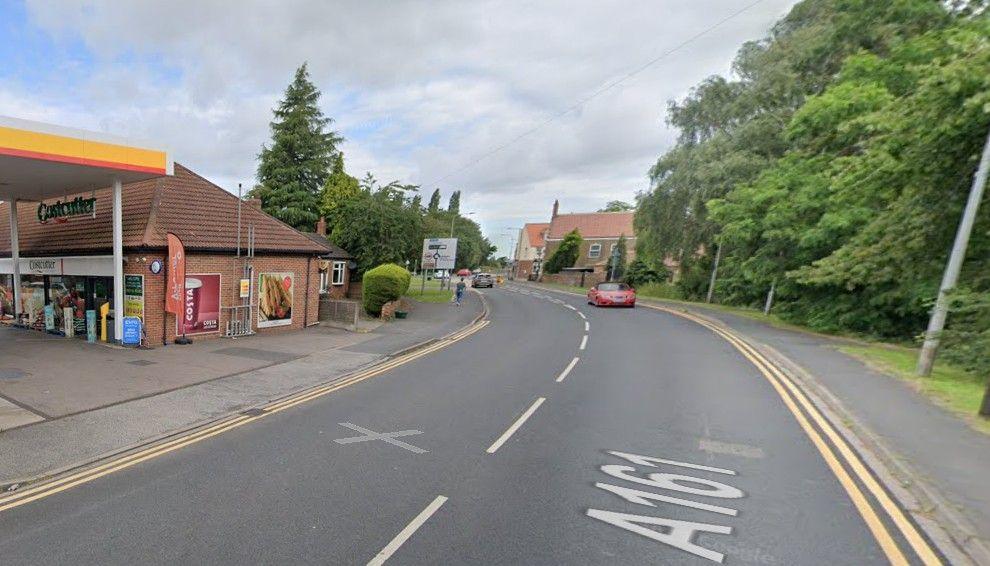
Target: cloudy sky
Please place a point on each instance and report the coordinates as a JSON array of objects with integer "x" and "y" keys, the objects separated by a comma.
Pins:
[{"x": 421, "y": 90}]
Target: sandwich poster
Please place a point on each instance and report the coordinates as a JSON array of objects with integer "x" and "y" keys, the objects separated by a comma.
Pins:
[{"x": 275, "y": 299}]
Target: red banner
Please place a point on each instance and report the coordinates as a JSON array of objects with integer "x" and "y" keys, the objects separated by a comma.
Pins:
[
  {"x": 175, "y": 285},
  {"x": 201, "y": 304}
]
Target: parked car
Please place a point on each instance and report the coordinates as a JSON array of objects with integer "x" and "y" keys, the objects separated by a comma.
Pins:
[
  {"x": 483, "y": 280},
  {"x": 612, "y": 294}
]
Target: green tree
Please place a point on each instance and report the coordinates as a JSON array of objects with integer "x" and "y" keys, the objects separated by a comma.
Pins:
[
  {"x": 293, "y": 170},
  {"x": 620, "y": 266},
  {"x": 566, "y": 254},
  {"x": 379, "y": 226},
  {"x": 617, "y": 206},
  {"x": 434, "y": 205},
  {"x": 338, "y": 189},
  {"x": 454, "y": 204}
]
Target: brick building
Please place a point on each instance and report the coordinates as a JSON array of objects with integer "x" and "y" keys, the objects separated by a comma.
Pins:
[
  {"x": 529, "y": 251},
  {"x": 68, "y": 263},
  {"x": 600, "y": 232}
]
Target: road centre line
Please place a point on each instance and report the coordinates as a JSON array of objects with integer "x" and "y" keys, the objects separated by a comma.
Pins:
[
  {"x": 567, "y": 369},
  {"x": 407, "y": 532},
  {"x": 584, "y": 342},
  {"x": 48, "y": 488},
  {"x": 581, "y": 314},
  {"x": 587, "y": 326},
  {"x": 515, "y": 426},
  {"x": 571, "y": 307}
]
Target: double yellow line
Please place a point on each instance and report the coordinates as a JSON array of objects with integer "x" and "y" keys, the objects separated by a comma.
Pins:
[
  {"x": 62, "y": 483},
  {"x": 795, "y": 400}
]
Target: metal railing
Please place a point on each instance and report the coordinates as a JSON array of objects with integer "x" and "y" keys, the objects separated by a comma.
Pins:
[{"x": 239, "y": 321}]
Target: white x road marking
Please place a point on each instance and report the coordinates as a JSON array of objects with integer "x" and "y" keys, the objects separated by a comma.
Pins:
[{"x": 389, "y": 437}]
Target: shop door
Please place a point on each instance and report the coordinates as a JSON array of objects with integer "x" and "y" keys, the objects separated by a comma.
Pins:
[{"x": 99, "y": 291}]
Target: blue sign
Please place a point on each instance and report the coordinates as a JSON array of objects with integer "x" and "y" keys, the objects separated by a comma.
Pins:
[
  {"x": 49, "y": 317},
  {"x": 132, "y": 330},
  {"x": 91, "y": 326}
]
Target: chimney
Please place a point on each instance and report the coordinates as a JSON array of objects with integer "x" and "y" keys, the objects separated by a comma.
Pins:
[
  {"x": 253, "y": 202},
  {"x": 556, "y": 205},
  {"x": 321, "y": 226}
]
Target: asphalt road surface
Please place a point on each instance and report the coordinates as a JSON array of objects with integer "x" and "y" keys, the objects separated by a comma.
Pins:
[{"x": 661, "y": 444}]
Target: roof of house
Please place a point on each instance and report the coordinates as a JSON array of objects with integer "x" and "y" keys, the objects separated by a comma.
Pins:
[
  {"x": 593, "y": 225},
  {"x": 534, "y": 233},
  {"x": 201, "y": 214},
  {"x": 333, "y": 251}
]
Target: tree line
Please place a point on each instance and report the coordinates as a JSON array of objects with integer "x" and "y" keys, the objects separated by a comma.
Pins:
[
  {"x": 301, "y": 177},
  {"x": 832, "y": 166}
]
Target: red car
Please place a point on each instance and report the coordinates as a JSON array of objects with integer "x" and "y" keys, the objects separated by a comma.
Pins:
[{"x": 612, "y": 294}]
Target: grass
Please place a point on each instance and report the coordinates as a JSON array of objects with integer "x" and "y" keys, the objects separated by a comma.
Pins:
[
  {"x": 951, "y": 387},
  {"x": 431, "y": 294}
]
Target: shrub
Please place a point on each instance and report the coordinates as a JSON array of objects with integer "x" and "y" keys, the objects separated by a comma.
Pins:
[
  {"x": 384, "y": 283},
  {"x": 640, "y": 273}
]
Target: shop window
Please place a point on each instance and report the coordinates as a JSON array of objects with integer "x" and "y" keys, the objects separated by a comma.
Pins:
[
  {"x": 595, "y": 251},
  {"x": 338, "y": 272}
]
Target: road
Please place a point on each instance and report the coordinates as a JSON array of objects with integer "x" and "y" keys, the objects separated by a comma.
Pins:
[{"x": 661, "y": 444}]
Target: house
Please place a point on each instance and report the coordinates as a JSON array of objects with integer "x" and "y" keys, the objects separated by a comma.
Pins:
[
  {"x": 528, "y": 254},
  {"x": 600, "y": 232},
  {"x": 335, "y": 264}
]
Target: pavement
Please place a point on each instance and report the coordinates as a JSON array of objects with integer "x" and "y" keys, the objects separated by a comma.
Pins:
[
  {"x": 556, "y": 434},
  {"x": 70, "y": 402}
]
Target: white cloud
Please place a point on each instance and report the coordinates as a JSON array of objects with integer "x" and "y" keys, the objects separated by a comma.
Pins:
[{"x": 419, "y": 88}]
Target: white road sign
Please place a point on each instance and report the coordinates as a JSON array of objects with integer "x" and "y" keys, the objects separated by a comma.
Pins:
[{"x": 439, "y": 253}]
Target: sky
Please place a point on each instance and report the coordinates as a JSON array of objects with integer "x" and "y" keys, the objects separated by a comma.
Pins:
[{"x": 513, "y": 103}]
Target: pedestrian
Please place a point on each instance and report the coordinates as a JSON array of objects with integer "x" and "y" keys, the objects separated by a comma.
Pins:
[{"x": 459, "y": 293}]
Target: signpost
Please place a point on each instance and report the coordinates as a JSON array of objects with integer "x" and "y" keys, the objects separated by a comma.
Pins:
[{"x": 439, "y": 253}]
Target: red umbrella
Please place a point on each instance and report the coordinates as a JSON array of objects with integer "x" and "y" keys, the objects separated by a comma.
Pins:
[{"x": 464, "y": 272}]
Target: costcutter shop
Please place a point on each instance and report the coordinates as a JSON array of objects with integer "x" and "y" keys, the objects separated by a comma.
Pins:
[{"x": 83, "y": 231}]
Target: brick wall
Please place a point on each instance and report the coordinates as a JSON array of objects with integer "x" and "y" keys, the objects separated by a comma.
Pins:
[
  {"x": 573, "y": 278},
  {"x": 230, "y": 269},
  {"x": 600, "y": 262}
]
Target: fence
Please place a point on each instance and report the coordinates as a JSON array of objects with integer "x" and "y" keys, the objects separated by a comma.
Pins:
[
  {"x": 238, "y": 321},
  {"x": 337, "y": 310}
]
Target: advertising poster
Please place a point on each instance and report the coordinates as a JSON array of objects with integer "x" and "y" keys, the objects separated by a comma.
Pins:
[
  {"x": 134, "y": 296},
  {"x": 201, "y": 304},
  {"x": 275, "y": 299}
]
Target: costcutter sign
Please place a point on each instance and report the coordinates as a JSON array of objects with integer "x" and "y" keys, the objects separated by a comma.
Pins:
[{"x": 61, "y": 211}]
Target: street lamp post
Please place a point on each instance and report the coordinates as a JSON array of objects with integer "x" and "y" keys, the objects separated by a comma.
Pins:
[{"x": 615, "y": 263}]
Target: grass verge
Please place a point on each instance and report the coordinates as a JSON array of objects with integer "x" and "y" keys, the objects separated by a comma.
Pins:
[
  {"x": 432, "y": 292},
  {"x": 951, "y": 387}
]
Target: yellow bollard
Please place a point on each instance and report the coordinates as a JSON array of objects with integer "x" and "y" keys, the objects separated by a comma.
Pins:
[{"x": 104, "y": 311}]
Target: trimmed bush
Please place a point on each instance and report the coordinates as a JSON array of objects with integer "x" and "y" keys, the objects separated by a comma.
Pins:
[{"x": 385, "y": 283}]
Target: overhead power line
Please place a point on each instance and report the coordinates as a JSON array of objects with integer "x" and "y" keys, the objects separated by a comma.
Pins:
[{"x": 602, "y": 90}]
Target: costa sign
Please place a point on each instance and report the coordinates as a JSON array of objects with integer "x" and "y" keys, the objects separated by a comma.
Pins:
[{"x": 62, "y": 210}]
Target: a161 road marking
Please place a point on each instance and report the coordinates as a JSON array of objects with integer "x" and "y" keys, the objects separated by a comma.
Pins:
[{"x": 675, "y": 533}]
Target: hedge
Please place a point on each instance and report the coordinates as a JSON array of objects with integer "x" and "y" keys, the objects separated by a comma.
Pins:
[{"x": 384, "y": 283}]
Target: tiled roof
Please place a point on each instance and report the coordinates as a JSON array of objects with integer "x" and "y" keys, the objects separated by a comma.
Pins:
[
  {"x": 201, "y": 214},
  {"x": 534, "y": 233},
  {"x": 593, "y": 225},
  {"x": 332, "y": 250}
]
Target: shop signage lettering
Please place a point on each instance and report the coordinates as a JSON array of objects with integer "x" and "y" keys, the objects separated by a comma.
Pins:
[
  {"x": 42, "y": 265},
  {"x": 62, "y": 210}
]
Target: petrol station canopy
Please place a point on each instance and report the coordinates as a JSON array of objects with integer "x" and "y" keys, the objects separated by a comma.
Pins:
[{"x": 39, "y": 161}]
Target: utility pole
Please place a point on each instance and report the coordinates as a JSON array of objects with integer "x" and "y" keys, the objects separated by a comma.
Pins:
[
  {"x": 769, "y": 304},
  {"x": 926, "y": 359},
  {"x": 711, "y": 282}
]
